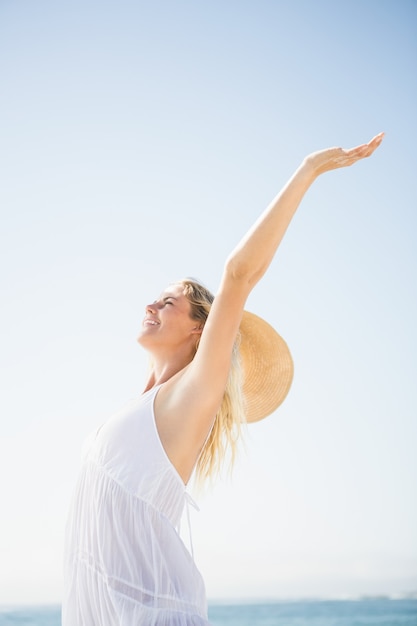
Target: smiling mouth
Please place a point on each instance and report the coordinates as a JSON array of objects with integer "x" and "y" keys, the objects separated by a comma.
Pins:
[{"x": 148, "y": 322}]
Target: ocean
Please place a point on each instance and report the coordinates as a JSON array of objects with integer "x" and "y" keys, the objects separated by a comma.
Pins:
[{"x": 365, "y": 612}]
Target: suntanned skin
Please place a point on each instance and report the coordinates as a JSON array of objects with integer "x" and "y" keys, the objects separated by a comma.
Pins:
[{"x": 194, "y": 382}]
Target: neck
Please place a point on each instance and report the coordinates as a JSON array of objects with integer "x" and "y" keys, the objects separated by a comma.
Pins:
[{"x": 163, "y": 369}]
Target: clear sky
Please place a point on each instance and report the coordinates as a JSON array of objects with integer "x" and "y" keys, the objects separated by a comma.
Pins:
[{"x": 138, "y": 142}]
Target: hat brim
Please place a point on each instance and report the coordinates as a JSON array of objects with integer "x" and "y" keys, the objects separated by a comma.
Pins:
[{"x": 267, "y": 364}]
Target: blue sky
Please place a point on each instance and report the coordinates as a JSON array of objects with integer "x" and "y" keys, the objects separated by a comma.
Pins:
[{"x": 139, "y": 141}]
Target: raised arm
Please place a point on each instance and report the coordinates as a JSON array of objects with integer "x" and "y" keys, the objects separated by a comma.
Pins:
[
  {"x": 249, "y": 261},
  {"x": 193, "y": 398},
  {"x": 251, "y": 258}
]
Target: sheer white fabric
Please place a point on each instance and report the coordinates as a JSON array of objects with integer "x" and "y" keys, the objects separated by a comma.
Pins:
[{"x": 125, "y": 563}]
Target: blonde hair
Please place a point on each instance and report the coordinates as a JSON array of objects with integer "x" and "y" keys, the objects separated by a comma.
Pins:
[{"x": 221, "y": 444}]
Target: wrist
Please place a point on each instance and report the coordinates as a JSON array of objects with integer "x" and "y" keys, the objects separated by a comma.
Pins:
[{"x": 307, "y": 171}]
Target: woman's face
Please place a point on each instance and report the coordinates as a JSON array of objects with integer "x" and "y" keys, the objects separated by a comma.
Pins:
[{"x": 168, "y": 321}]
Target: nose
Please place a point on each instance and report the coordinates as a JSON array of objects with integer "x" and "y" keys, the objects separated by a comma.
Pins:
[{"x": 151, "y": 308}]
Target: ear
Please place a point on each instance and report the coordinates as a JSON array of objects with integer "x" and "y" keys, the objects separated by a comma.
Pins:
[{"x": 197, "y": 330}]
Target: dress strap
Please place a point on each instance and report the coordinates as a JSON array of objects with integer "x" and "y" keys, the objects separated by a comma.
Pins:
[{"x": 189, "y": 501}]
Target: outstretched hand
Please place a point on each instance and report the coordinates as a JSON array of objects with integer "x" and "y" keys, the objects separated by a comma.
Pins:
[{"x": 333, "y": 158}]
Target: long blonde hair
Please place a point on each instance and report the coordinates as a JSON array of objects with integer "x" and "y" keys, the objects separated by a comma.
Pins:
[{"x": 221, "y": 444}]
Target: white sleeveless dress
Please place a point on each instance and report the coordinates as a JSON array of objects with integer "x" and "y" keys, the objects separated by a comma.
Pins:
[{"x": 125, "y": 563}]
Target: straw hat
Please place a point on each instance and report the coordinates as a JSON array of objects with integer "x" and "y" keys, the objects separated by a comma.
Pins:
[{"x": 267, "y": 367}]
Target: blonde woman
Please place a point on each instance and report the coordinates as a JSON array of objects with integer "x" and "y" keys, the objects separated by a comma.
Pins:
[{"x": 125, "y": 563}]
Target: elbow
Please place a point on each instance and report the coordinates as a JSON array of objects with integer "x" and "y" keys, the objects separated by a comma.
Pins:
[{"x": 242, "y": 273}]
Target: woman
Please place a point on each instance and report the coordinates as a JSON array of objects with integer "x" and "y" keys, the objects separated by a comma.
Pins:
[{"x": 125, "y": 563}]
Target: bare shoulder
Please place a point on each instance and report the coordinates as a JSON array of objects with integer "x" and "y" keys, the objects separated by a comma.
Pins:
[
  {"x": 182, "y": 423},
  {"x": 186, "y": 404}
]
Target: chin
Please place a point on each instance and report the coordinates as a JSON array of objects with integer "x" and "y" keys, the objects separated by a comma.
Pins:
[{"x": 143, "y": 339}]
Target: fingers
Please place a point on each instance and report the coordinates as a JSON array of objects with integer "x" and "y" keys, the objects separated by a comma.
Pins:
[
  {"x": 378, "y": 138},
  {"x": 333, "y": 158},
  {"x": 366, "y": 149},
  {"x": 375, "y": 142}
]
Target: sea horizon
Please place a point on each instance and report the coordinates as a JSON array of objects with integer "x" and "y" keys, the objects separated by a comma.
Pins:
[
  {"x": 382, "y": 610},
  {"x": 237, "y": 600}
]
